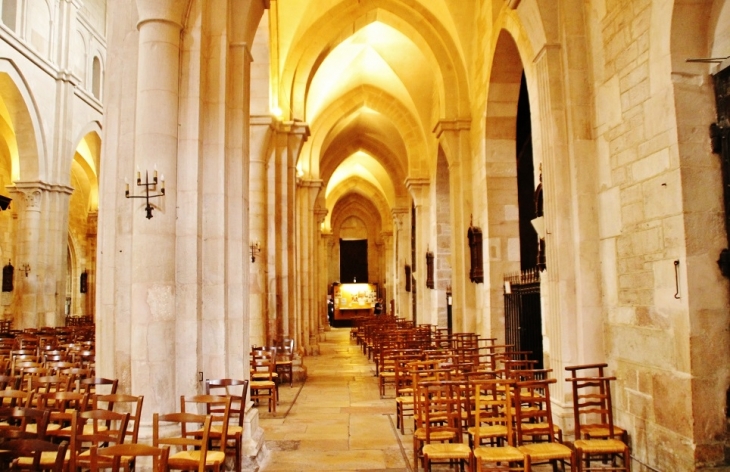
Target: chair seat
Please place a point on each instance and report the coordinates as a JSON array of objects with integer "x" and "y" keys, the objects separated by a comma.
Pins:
[
  {"x": 264, "y": 375},
  {"x": 48, "y": 458},
  {"x": 498, "y": 454},
  {"x": 600, "y": 446},
  {"x": 232, "y": 429},
  {"x": 447, "y": 451},
  {"x": 406, "y": 400},
  {"x": 491, "y": 431},
  {"x": 546, "y": 451},
  {"x": 420, "y": 434},
  {"x": 600, "y": 431},
  {"x": 213, "y": 457},
  {"x": 262, "y": 384},
  {"x": 33, "y": 428},
  {"x": 88, "y": 429}
]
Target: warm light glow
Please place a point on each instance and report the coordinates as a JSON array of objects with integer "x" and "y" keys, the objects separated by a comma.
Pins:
[{"x": 276, "y": 111}]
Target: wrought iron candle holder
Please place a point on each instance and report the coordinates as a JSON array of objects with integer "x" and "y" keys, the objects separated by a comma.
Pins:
[
  {"x": 255, "y": 248},
  {"x": 146, "y": 192}
]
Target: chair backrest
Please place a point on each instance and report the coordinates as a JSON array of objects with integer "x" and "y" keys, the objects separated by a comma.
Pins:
[
  {"x": 116, "y": 452},
  {"x": 218, "y": 420},
  {"x": 122, "y": 403},
  {"x": 11, "y": 382},
  {"x": 188, "y": 435},
  {"x": 49, "y": 383},
  {"x": 98, "y": 385},
  {"x": 234, "y": 388},
  {"x": 592, "y": 404},
  {"x": 17, "y": 419},
  {"x": 440, "y": 409},
  {"x": 492, "y": 408},
  {"x": 15, "y": 398},
  {"x": 35, "y": 448},
  {"x": 95, "y": 428},
  {"x": 533, "y": 411}
]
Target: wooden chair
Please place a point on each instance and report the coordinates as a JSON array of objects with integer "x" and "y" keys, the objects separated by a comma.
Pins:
[
  {"x": 534, "y": 423},
  {"x": 237, "y": 390},
  {"x": 403, "y": 389},
  {"x": 64, "y": 407},
  {"x": 263, "y": 385},
  {"x": 118, "y": 454},
  {"x": 190, "y": 441},
  {"x": 586, "y": 396},
  {"x": 96, "y": 428},
  {"x": 122, "y": 403},
  {"x": 265, "y": 354},
  {"x": 493, "y": 423},
  {"x": 34, "y": 455},
  {"x": 219, "y": 420},
  {"x": 23, "y": 423},
  {"x": 285, "y": 360},
  {"x": 15, "y": 398},
  {"x": 593, "y": 415},
  {"x": 439, "y": 421}
]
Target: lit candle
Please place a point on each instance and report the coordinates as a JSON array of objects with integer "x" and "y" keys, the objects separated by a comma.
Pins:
[{"x": 162, "y": 179}]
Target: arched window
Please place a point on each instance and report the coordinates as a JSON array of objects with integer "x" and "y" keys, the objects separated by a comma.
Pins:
[{"x": 96, "y": 78}]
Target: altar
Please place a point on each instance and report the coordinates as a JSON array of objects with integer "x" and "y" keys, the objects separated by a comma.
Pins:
[{"x": 354, "y": 300}]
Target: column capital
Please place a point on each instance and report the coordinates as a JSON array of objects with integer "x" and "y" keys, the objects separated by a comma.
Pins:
[
  {"x": 164, "y": 11},
  {"x": 399, "y": 216},
  {"x": 457, "y": 125},
  {"x": 419, "y": 189},
  {"x": 320, "y": 214}
]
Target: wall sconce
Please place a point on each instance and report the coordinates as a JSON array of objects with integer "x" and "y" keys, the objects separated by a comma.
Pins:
[
  {"x": 147, "y": 184},
  {"x": 25, "y": 268},
  {"x": 429, "y": 270},
  {"x": 255, "y": 248}
]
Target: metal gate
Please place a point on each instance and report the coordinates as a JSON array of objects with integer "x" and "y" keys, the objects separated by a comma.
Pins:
[{"x": 522, "y": 313}]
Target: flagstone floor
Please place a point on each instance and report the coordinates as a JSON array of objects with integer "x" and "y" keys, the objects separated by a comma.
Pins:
[{"x": 336, "y": 420}]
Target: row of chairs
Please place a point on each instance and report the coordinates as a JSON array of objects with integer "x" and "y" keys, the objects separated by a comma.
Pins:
[
  {"x": 498, "y": 398},
  {"x": 81, "y": 425}
]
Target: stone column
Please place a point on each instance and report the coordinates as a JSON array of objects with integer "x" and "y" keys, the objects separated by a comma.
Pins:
[
  {"x": 257, "y": 195},
  {"x": 42, "y": 245},
  {"x": 389, "y": 269},
  {"x": 27, "y": 204},
  {"x": 320, "y": 272},
  {"x": 402, "y": 256},
  {"x": 307, "y": 274},
  {"x": 91, "y": 235},
  {"x": 419, "y": 189},
  {"x": 456, "y": 133},
  {"x": 155, "y": 328},
  {"x": 288, "y": 143}
]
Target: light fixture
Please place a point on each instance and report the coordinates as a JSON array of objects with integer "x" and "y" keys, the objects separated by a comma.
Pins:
[
  {"x": 255, "y": 248},
  {"x": 147, "y": 184},
  {"x": 25, "y": 268},
  {"x": 5, "y": 202}
]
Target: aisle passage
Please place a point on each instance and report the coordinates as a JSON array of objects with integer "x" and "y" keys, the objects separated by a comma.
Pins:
[{"x": 336, "y": 421}]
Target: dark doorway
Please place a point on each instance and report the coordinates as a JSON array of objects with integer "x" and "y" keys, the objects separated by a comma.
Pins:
[
  {"x": 526, "y": 182},
  {"x": 354, "y": 261}
]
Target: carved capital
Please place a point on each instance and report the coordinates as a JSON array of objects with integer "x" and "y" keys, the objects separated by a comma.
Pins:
[{"x": 400, "y": 216}]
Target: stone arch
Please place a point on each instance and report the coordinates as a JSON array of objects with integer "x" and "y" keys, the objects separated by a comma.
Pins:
[
  {"x": 363, "y": 189},
  {"x": 367, "y": 96},
  {"x": 25, "y": 120},
  {"x": 433, "y": 38},
  {"x": 500, "y": 226},
  {"x": 693, "y": 32},
  {"x": 356, "y": 205}
]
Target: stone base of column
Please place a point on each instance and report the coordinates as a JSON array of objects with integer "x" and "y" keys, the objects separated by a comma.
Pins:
[
  {"x": 299, "y": 370},
  {"x": 253, "y": 447}
]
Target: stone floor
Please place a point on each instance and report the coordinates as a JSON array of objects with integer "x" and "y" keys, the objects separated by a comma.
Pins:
[{"x": 336, "y": 420}]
